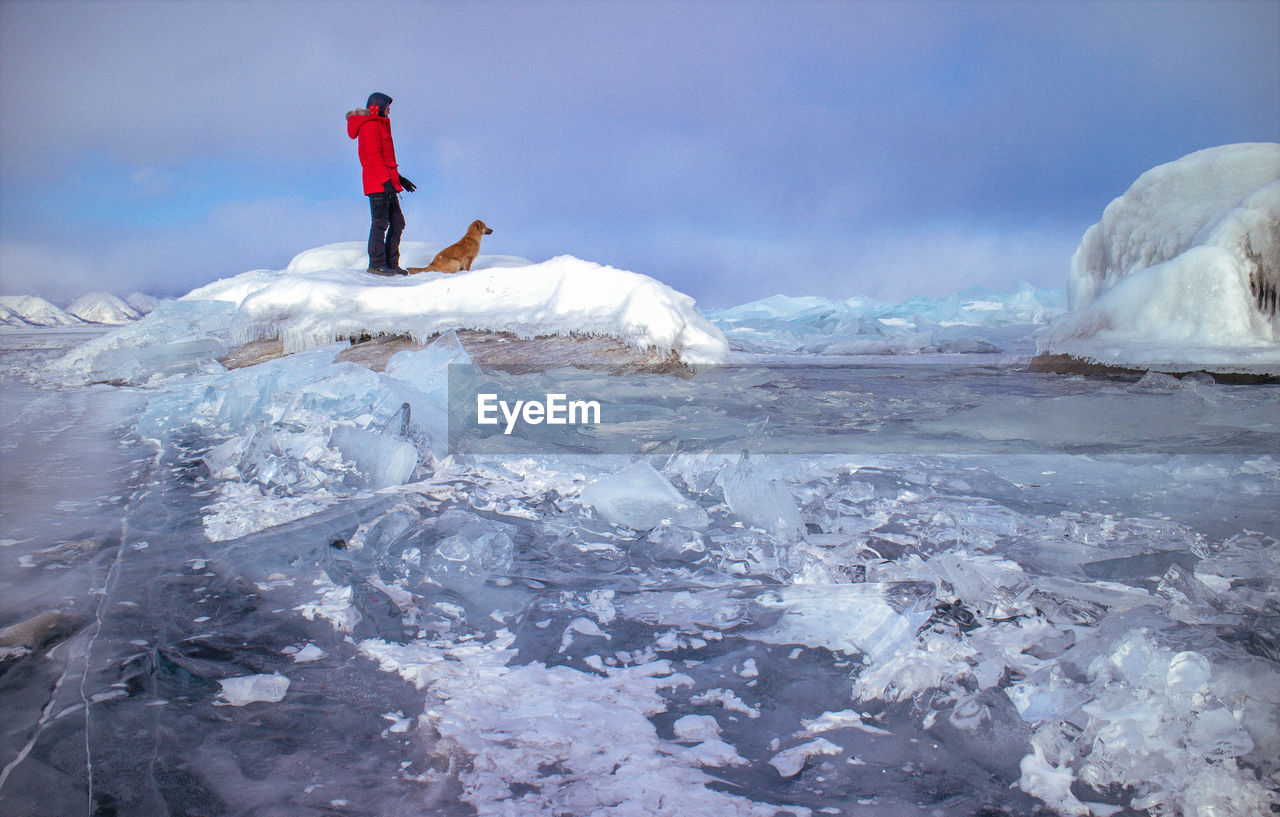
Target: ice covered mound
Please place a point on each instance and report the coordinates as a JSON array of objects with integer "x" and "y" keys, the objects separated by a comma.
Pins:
[
  {"x": 325, "y": 295},
  {"x": 104, "y": 308},
  {"x": 1183, "y": 269},
  {"x": 975, "y": 320},
  {"x": 31, "y": 310}
]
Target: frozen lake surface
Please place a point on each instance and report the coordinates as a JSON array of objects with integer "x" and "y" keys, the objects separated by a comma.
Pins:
[{"x": 211, "y": 617}]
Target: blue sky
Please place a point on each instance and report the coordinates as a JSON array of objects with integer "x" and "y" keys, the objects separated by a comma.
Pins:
[{"x": 731, "y": 148}]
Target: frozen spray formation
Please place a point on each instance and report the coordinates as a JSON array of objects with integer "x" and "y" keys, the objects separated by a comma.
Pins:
[{"x": 1183, "y": 269}]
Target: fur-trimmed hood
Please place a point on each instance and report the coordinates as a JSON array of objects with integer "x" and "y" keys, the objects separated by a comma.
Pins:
[{"x": 358, "y": 118}]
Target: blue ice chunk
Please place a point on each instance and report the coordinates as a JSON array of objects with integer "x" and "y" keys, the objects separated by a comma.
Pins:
[
  {"x": 641, "y": 498},
  {"x": 382, "y": 461},
  {"x": 760, "y": 498},
  {"x": 427, "y": 370}
]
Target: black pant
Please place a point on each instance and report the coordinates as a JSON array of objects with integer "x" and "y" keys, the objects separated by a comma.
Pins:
[{"x": 384, "y": 233}]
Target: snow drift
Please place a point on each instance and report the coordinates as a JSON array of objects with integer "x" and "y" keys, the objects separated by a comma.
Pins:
[{"x": 1183, "y": 268}]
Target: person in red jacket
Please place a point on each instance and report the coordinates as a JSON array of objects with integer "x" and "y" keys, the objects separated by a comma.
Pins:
[{"x": 382, "y": 182}]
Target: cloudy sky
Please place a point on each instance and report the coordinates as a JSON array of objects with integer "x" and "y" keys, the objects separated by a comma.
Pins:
[{"x": 731, "y": 148}]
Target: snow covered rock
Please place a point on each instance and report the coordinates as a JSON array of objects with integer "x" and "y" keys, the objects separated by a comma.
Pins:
[
  {"x": 104, "y": 308},
  {"x": 320, "y": 298},
  {"x": 35, "y": 311},
  {"x": 579, "y": 311},
  {"x": 1183, "y": 268}
]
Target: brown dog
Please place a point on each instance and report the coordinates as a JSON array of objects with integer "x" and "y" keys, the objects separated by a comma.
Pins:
[{"x": 457, "y": 257}]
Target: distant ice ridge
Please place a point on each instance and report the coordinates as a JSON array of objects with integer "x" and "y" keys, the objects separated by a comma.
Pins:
[
  {"x": 975, "y": 320},
  {"x": 30, "y": 310},
  {"x": 99, "y": 308},
  {"x": 104, "y": 308},
  {"x": 325, "y": 295},
  {"x": 1182, "y": 268}
]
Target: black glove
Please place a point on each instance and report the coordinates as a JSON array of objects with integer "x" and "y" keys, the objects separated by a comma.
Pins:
[
  {"x": 408, "y": 185},
  {"x": 389, "y": 187}
]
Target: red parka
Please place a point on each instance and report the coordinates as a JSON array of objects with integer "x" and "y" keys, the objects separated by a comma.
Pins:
[{"x": 377, "y": 151}]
